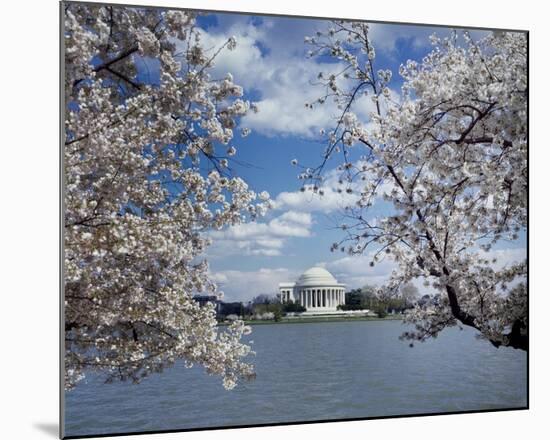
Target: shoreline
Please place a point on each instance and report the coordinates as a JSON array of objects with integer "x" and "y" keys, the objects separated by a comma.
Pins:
[{"x": 310, "y": 319}]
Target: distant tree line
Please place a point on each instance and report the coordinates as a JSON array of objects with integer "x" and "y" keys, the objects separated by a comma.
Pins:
[
  {"x": 368, "y": 297},
  {"x": 262, "y": 307},
  {"x": 269, "y": 307}
]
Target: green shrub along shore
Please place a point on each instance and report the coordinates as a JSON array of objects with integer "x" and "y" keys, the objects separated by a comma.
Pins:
[{"x": 308, "y": 319}]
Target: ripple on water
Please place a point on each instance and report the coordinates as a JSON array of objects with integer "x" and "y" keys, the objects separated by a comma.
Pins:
[{"x": 313, "y": 372}]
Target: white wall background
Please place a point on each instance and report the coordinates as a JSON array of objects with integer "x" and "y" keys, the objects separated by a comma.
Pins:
[{"x": 29, "y": 217}]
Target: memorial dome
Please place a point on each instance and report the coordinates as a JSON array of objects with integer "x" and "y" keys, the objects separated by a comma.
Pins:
[
  {"x": 316, "y": 290},
  {"x": 316, "y": 276}
]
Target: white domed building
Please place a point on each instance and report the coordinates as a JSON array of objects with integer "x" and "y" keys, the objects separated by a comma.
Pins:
[{"x": 316, "y": 290}]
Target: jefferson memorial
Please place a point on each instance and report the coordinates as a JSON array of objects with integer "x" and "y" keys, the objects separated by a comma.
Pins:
[{"x": 316, "y": 290}]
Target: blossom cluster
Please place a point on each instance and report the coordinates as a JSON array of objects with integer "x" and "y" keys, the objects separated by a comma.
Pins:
[
  {"x": 450, "y": 155},
  {"x": 147, "y": 173}
]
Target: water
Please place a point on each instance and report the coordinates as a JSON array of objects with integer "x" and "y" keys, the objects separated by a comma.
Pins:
[{"x": 313, "y": 371}]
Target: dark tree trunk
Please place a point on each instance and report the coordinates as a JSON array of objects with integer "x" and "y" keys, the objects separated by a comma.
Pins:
[{"x": 517, "y": 337}]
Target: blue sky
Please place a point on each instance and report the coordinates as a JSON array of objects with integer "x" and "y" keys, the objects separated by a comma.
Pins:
[{"x": 271, "y": 65}]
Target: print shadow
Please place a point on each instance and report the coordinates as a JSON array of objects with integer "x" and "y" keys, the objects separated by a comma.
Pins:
[{"x": 52, "y": 429}]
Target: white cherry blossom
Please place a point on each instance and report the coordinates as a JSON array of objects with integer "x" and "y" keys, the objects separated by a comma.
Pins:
[
  {"x": 138, "y": 199},
  {"x": 450, "y": 155}
]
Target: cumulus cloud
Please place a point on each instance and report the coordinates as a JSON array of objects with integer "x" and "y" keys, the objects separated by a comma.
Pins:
[
  {"x": 307, "y": 201},
  {"x": 335, "y": 197},
  {"x": 270, "y": 61},
  {"x": 260, "y": 238}
]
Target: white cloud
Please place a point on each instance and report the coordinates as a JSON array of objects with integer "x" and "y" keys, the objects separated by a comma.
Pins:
[
  {"x": 294, "y": 217},
  {"x": 307, "y": 201},
  {"x": 244, "y": 285},
  {"x": 335, "y": 197},
  {"x": 281, "y": 75},
  {"x": 505, "y": 257},
  {"x": 260, "y": 238},
  {"x": 356, "y": 271},
  {"x": 240, "y": 60}
]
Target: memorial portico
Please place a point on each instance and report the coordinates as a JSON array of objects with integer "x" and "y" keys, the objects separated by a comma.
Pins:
[{"x": 316, "y": 290}]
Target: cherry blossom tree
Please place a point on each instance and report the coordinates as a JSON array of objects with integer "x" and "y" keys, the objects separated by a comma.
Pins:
[
  {"x": 449, "y": 155},
  {"x": 147, "y": 151}
]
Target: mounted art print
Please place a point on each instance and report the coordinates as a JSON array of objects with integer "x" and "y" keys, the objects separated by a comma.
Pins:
[{"x": 318, "y": 219}]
